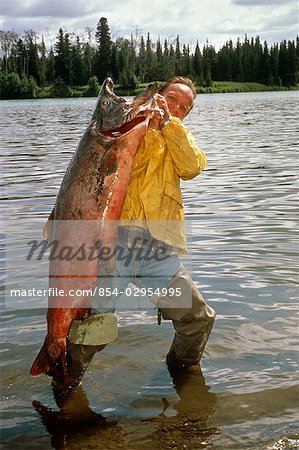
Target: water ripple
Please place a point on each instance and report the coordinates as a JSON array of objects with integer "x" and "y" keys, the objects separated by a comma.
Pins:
[{"x": 242, "y": 222}]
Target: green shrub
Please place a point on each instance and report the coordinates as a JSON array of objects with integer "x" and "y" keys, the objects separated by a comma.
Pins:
[
  {"x": 12, "y": 86},
  {"x": 28, "y": 87},
  {"x": 60, "y": 89},
  {"x": 93, "y": 87}
]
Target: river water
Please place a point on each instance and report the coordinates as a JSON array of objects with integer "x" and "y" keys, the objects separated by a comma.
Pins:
[{"x": 244, "y": 246}]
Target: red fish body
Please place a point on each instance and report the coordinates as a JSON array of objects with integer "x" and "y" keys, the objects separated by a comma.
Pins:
[{"x": 87, "y": 208}]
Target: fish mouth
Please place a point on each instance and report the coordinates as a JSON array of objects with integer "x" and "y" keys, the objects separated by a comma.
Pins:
[
  {"x": 127, "y": 126},
  {"x": 131, "y": 114}
]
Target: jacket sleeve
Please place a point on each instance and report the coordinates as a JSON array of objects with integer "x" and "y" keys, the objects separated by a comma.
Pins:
[{"x": 189, "y": 160}]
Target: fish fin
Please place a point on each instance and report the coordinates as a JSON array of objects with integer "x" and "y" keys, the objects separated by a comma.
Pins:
[
  {"x": 51, "y": 360},
  {"x": 41, "y": 363},
  {"x": 47, "y": 227}
]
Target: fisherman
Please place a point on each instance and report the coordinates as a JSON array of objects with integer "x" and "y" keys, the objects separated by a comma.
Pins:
[{"x": 151, "y": 236}]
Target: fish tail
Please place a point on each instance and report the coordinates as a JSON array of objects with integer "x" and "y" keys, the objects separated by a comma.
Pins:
[
  {"x": 42, "y": 363},
  {"x": 51, "y": 360}
]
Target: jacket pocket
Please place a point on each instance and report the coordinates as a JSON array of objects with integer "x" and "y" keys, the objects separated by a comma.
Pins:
[
  {"x": 172, "y": 204},
  {"x": 173, "y": 192}
]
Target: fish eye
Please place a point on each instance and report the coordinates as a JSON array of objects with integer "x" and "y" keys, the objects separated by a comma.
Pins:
[{"x": 105, "y": 102}]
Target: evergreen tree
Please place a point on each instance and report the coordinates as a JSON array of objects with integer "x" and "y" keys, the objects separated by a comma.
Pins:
[
  {"x": 132, "y": 62},
  {"x": 206, "y": 66},
  {"x": 77, "y": 70},
  {"x": 122, "y": 58},
  {"x": 230, "y": 56},
  {"x": 237, "y": 69},
  {"x": 178, "y": 62},
  {"x": 246, "y": 59},
  {"x": 265, "y": 69},
  {"x": 125, "y": 56},
  {"x": 102, "y": 67},
  {"x": 43, "y": 62},
  {"x": 149, "y": 60},
  {"x": 159, "y": 69},
  {"x": 33, "y": 65},
  {"x": 114, "y": 63},
  {"x": 258, "y": 61},
  {"x": 297, "y": 46},
  {"x": 88, "y": 56},
  {"x": 197, "y": 65},
  {"x": 172, "y": 60},
  {"x": 186, "y": 61},
  {"x": 292, "y": 69},
  {"x": 62, "y": 56},
  {"x": 223, "y": 71},
  {"x": 68, "y": 57},
  {"x": 213, "y": 61},
  {"x": 274, "y": 64},
  {"x": 284, "y": 68},
  {"x": 167, "y": 73},
  {"x": 20, "y": 52},
  {"x": 50, "y": 67},
  {"x": 59, "y": 55},
  {"x": 141, "y": 61}
]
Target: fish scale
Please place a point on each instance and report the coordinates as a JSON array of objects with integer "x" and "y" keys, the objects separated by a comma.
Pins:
[{"x": 93, "y": 190}]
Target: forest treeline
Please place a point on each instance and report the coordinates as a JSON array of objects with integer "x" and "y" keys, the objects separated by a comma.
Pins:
[{"x": 27, "y": 66}]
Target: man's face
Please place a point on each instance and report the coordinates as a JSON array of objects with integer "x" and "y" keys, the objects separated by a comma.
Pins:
[{"x": 179, "y": 98}]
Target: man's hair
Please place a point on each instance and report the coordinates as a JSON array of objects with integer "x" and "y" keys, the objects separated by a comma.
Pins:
[{"x": 181, "y": 80}]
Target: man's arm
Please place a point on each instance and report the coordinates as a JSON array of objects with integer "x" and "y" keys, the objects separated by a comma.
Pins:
[{"x": 189, "y": 160}]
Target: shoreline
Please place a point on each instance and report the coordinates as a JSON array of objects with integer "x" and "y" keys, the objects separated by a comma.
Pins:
[{"x": 217, "y": 87}]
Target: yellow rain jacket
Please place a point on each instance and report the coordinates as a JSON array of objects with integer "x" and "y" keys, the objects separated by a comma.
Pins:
[{"x": 154, "y": 198}]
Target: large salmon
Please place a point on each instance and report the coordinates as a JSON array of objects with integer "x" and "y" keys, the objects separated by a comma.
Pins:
[{"x": 87, "y": 208}]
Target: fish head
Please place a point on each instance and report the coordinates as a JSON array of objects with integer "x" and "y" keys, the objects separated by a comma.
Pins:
[
  {"x": 109, "y": 109},
  {"x": 115, "y": 116}
]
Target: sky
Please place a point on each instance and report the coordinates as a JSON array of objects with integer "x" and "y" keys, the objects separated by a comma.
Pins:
[{"x": 214, "y": 20}]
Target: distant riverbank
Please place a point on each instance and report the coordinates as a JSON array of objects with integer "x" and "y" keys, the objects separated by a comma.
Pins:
[
  {"x": 13, "y": 87},
  {"x": 215, "y": 88},
  {"x": 218, "y": 87},
  {"x": 235, "y": 86}
]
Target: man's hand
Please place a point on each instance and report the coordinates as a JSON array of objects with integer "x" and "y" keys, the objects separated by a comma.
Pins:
[{"x": 162, "y": 115}]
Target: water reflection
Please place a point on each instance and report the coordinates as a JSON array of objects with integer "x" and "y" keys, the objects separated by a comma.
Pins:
[
  {"x": 73, "y": 419},
  {"x": 196, "y": 405},
  {"x": 76, "y": 425},
  {"x": 242, "y": 210},
  {"x": 196, "y": 418},
  {"x": 196, "y": 400}
]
